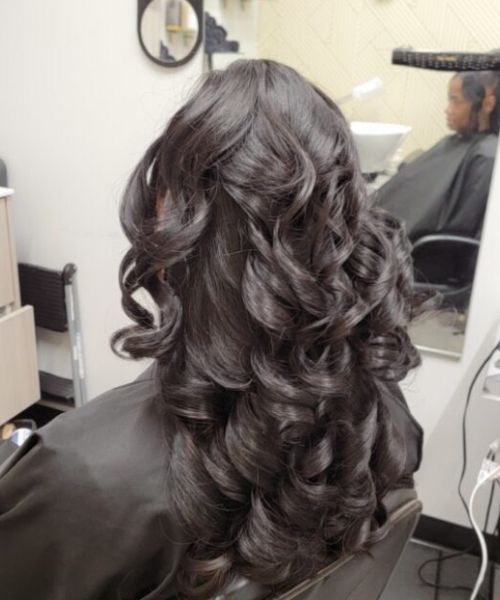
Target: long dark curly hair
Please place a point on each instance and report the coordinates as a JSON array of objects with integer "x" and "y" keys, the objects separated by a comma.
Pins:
[{"x": 283, "y": 299}]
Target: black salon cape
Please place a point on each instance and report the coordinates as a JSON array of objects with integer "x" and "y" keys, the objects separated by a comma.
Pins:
[
  {"x": 444, "y": 190},
  {"x": 84, "y": 503}
]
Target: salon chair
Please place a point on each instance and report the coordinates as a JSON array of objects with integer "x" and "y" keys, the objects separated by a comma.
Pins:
[
  {"x": 54, "y": 298},
  {"x": 445, "y": 264},
  {"x": 362, "y": 576}
]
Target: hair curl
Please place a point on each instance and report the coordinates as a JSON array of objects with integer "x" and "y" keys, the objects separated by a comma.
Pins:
[{"x": 284, "y": 298}]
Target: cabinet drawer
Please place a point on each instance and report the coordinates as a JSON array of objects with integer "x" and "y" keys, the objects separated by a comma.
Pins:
[
  {"x": 7, "y": 277},
  {"x": 19, "y": 385}
]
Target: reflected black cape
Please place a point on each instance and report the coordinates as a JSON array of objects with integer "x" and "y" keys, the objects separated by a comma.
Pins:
[{"x": 445, "y": 190}]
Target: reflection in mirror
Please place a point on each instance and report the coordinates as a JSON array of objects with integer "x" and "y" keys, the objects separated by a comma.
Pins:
[
  {"x": 169, "y": 30},
  {"x": 237, "y": 22},
  {"x": 440, "y": 194},
  {"x": 426, "y": 139}
]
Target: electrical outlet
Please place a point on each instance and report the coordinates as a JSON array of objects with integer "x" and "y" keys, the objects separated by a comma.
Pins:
[
  {"x": 491, "y": 388},
  {"x": 494, "y": 365}
]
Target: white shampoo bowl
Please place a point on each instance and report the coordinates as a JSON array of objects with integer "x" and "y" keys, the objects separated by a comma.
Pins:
[{"x": 377, "y": 143}]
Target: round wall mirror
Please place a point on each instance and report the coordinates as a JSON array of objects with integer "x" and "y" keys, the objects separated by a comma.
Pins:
[{"x": 170, "y": 31}]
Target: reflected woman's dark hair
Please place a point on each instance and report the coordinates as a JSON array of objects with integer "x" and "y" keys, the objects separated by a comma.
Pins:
[
  {"x": 281, "y": 328},
  {"x": 475, "y": 85}
]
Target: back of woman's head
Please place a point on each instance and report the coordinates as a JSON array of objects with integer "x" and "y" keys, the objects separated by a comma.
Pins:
[{"x": 284, "y": 298}]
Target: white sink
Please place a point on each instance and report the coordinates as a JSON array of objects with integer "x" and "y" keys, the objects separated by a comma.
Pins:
[{"x": 377, "y": 143}]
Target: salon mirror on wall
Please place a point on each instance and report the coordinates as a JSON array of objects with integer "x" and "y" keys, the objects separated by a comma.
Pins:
[
  {"x": 426, "y": 139},
  {"x": 170, "y": 31}
]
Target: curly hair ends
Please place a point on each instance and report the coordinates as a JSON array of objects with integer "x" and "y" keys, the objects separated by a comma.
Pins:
[{"x": 283, "y": 300}]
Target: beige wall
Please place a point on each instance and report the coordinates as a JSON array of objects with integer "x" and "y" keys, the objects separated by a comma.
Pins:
[{"x": 340, "y": 43}]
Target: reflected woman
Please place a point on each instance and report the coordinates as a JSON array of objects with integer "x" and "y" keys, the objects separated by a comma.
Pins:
[{"x": 445, "y": 190}]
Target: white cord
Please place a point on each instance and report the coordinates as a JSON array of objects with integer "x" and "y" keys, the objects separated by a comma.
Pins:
[
  {"x": 482, "y": 543},
  {"x": 489, "y": 470}
]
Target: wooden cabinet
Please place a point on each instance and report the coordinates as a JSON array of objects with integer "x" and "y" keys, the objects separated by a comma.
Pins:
[
  {"x": 19, "y": 385},
  {"x": 8, "y": 290}
]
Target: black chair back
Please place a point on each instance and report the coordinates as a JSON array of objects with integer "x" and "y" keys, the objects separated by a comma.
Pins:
[
  {"x": 445, "y": 264},
  {"x": 43, "y": 289},
  {"x": 362, "y": 576},
  {"x": 55, "y": 302}
]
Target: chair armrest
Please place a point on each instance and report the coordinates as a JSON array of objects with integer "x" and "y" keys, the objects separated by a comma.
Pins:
[{"x": 444, "y": 237}]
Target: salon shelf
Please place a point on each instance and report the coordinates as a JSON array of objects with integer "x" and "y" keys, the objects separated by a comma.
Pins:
[{"x": 175, "y": 29}]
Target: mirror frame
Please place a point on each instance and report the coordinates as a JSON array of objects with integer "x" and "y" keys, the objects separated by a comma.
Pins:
[{"x": 197, "y": 6}]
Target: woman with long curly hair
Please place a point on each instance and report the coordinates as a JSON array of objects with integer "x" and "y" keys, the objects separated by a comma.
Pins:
[{"x": 262, "y": 440}]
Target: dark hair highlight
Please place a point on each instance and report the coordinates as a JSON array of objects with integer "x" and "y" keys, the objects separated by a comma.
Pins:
[{"x": 283, "y": 309}]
